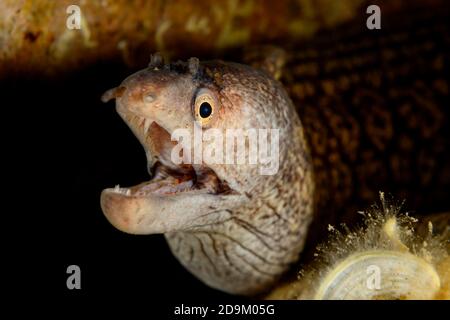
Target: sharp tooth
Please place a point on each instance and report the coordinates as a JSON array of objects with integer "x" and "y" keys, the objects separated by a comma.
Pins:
[
  {"x": 117, "y": 188},
  {"x": 128, "y": 192},
  {"x": 147, "y": 124}
]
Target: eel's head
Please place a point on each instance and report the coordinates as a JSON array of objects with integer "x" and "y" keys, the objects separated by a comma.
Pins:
[{"x": 176, "y": 109}]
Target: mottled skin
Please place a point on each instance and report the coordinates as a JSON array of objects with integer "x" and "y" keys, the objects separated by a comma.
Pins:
[
  {"x": 242, "y": 240},
  {"x": 376, "y": 114},
  {"x": 371, "y": 115}
]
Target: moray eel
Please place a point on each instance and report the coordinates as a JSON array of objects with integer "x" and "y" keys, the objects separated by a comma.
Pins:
[
  {"x": 357, "y": 117},
  {"x": 222, "y": 221}
]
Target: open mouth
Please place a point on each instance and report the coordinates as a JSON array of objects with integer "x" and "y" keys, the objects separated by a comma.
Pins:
[
  {"x": 167, "y": 178},
  {"x": 167, "y": 181}
]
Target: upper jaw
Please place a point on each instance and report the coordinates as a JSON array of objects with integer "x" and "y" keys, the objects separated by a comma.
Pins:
[{"x": 158, "y": 145}]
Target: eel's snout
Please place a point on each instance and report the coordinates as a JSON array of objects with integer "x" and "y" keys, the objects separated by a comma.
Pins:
[
  {"x": 121, "y": 211},
  {"x": 131, "y": 214}
]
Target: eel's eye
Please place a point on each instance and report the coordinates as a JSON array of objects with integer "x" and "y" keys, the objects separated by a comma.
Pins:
[
  {"x": 205, "y": 110},
  {"x": 205, "y": 106}
]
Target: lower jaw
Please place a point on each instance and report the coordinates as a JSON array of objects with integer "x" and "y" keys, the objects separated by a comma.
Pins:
[{"x": 168, "y": 182}]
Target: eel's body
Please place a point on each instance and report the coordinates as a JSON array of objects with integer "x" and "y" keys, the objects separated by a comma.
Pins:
[
  {"x": 368, "y": 114},
  {"x": 375, "y": 109}
]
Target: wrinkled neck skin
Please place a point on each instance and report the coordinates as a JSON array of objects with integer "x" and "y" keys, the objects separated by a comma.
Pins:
[
  {"x": 246, "y": 248},
  {"x": 233, "y": 228}
]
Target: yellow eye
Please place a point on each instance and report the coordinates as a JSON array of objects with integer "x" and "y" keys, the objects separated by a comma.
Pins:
[{"x": 205, "y": 106}]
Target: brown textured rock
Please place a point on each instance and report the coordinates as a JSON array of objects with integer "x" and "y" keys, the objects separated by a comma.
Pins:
[{"x": 34, "y": 37}]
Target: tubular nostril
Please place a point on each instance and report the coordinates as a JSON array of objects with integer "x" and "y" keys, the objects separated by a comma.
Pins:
[
  {"x": 120, "y": 91},
  {"x": 113, "y": 93}
]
